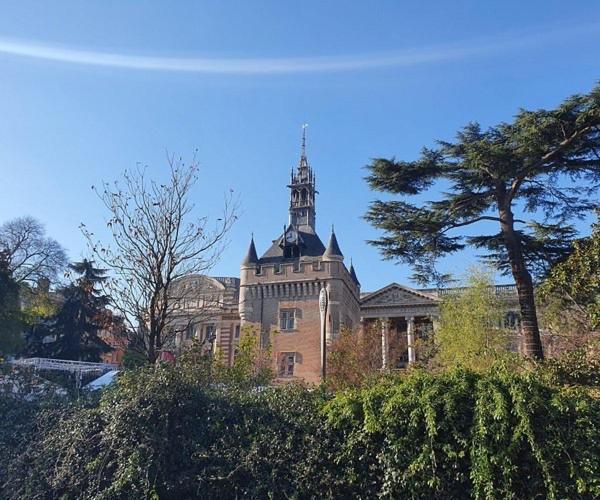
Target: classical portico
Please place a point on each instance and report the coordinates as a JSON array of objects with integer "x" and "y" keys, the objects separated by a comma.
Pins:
[{"x": 403, "y": 315}]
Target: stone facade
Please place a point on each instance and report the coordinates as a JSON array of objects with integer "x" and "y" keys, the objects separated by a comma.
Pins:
[{"x": 206, "y": 311}]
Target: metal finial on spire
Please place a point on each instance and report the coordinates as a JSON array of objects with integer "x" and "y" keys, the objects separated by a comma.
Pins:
[{"x": 304, "y": 127}]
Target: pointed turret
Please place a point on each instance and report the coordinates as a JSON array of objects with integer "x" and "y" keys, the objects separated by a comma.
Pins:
[
  {"x": 333, "y": 252},
  {"x": 251, "y": 258},
  {"x": 353, "y": 273}
]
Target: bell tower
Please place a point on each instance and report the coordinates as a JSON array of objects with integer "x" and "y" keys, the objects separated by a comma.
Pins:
[{"x": 302, "y": 192}]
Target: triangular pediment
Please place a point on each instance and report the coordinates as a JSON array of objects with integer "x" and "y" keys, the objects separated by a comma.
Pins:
[{"x": 397, "y": 295}]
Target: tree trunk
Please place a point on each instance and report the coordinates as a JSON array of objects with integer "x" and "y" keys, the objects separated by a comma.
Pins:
[{"x": 532, "y": 343}]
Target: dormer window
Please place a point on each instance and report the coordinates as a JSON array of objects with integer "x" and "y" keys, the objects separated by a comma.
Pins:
[{"x": 291, "y": 252}]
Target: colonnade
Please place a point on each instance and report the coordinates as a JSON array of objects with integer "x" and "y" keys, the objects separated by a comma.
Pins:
[{"x": 411, "y": 335}]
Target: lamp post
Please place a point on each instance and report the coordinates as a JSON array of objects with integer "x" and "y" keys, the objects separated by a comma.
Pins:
[{"x": 323, "y": 306}]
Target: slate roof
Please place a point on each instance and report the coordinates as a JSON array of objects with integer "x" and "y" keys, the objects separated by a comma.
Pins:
[
  {"x": 333, "y": 248},
  {"x": 251, "y": 257},
  {"x": 313, "y": 247},
  {"x": 353, "y": 274}
]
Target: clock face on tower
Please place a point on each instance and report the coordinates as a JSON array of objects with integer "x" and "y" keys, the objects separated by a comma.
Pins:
[{"x": 290, "y": 236}]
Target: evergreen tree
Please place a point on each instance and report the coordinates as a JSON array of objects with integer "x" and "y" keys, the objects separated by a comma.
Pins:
[
  {"x": 545, "y": 165},
  {"x": 75, "y": 327},
  {"x": 11, "y": 324}
]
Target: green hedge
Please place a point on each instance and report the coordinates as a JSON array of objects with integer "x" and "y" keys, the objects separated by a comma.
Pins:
[{"x": 165, "y": 434}]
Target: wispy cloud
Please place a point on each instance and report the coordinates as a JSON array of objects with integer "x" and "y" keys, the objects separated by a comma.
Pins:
[{"x": 257, "y": 66}]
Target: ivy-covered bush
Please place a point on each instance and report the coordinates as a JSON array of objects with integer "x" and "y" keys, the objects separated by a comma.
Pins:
[
  {"x": 174, "y": 433},
  {"x": 466, "y": 435}
]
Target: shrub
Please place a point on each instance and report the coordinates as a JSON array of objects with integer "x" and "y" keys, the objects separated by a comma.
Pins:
[
  {"x": 172, "y": 432},
  {"x": 461, "y": 434}
]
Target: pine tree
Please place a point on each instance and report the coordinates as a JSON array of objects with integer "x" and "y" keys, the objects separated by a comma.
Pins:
[
  {"x": 11, "y": 325},
  {"x": 76, "y": 326},
  {"x": 545, "y": 164}
]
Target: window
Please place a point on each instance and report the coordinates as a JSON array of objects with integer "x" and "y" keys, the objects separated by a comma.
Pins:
[
  {"x": 287, "y": 360},
  {"x": 190, "y": 332},
  {"x": 258, "y": 270},
  {"x": 209, "y": 333},
  {"x": 277, "y": 268},
  {"x": 316, "y": 265},
  {"x": 237, "y": 331},
  {"x": 287, "y": 319},
  {"x": 511, "y": 320},
  {"x": 297, "y": 266}
]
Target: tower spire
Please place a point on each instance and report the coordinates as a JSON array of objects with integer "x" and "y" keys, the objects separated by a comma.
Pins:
[{"x": 303, "y": 149}]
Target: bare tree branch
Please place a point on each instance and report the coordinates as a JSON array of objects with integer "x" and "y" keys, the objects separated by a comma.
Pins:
[
  {"x": 30, "y": 253},
  {"x": 156, "y": 242}
]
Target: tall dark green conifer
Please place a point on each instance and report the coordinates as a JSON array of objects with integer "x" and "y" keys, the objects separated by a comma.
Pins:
[
  {"x": 11, "y": 324},
  {"x": 76, "y": 326}
]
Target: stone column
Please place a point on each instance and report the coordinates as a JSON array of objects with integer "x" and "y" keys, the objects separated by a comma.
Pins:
[
  {"x": 385, "y": 344},
  {"x": 410, "y": 336},
  {"x": 435, "y": 323}
]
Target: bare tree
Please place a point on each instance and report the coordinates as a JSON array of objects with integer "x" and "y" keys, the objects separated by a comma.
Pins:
[
  {"x": 30, "y": 253},
  {"x": 156, "y": 241}
]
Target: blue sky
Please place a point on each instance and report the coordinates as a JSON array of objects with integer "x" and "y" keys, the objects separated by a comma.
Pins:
[{"x": 88, "y": 89}]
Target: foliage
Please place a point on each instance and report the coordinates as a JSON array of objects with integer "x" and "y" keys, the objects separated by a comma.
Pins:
[
  {"x": 163, "y": 432},
  {"x": 354, "y": 358},
  {"x": 11, "y": 319},
  {"x": 461, "y": 435},
  {"x": 545, "y": 164},
  {"x": 133, "y": 358},
  {"x": 251, "y": 366},
  {"x": 471, "y": 332},
  {"x": 571, "y": 292},
  {"x": 156, "y": 242},
  {"x": 75, "y": 327},
  {"x": 31, "y": 255},
  {"x": 38, "y": 304},
  {"x": 251, "y": 363},
  {"x": 577, "y": 367},
  {"x": 172, "y": 432}
]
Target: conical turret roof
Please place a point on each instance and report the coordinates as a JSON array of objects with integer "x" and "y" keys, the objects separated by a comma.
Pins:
[
  {"x": 333, "y": 248},
  {"x": 251, "y": 257},
  {"x": 353, "y": 274}
]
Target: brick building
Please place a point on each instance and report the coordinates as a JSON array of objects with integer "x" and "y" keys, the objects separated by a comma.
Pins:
[
  {"x": 280, "y": 291},
  {"x": 299, "y": 294}
]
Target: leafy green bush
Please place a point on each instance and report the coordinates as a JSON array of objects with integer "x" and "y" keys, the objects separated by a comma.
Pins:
[
  {"x": 461, "y": 435},
  {"x": 172, "y": 432}
]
